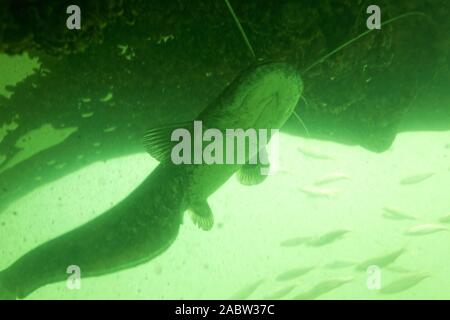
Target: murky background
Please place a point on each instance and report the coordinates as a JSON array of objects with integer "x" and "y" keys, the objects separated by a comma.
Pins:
[
  {"x": 247, "y": 254},
  {"x": 334, "y": 222}
]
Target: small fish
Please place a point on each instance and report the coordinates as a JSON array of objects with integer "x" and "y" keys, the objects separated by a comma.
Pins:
[
  {"x": 294, "y": 242},
  {"x": 109, "y": 129},
  {"x": 327, "y": 238},
  {"x": 280, "y": 293},
  {"x": 339, "y": 264},
  {"x": 424, "y": 229},
  {"x": 246, "y": 291},
  {"x": 398, "y": 269},
  {"x": 404, "y": 283},
  {"x": 394, "y": 214},
  {"x": 322, "y": 288},
  {"x": 334, "y": 177},
  {"x": 381, "y": 261},
  {"x": 87, "y": 115},
  {"x": 445, "y": 219},
  {"x": 107, "y": 97},
  {"x": 417, "y": 178},
  {"x": 316, "y": 192},
  {"x": 293, "y": 273},
  {"x": 447, "y": 146},
  {"x": 314, "y": 155}
]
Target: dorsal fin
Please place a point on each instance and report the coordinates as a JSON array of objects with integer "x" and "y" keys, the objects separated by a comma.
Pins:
[{"x": 158, "y": 143}]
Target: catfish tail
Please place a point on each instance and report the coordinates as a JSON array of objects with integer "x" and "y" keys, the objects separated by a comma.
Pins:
[{"x": 135, "y": 231}]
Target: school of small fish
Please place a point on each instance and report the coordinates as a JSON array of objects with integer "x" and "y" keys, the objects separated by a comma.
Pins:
[{"x": 405, "y": 278}]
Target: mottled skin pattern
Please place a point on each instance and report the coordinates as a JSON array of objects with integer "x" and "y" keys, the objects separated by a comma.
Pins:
[{"x": 136, "y": 230}]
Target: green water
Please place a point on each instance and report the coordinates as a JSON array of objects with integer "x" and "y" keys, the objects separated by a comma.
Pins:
[
  {"x": 245, "y": 255},
  {"x": 251, "y": 222}
]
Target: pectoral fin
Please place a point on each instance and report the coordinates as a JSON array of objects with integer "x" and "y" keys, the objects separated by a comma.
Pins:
[
  {"x": 253, "y": 174},
  {"x": 157, "y": 141},
  {"x": 202, "y": 215}
]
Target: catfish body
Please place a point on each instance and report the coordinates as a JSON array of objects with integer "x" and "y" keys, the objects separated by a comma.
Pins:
[
  {"x": 262, "y": 97},
  {"x": 146, "y": 223}
]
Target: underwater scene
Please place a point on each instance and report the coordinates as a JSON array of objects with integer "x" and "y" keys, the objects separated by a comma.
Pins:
[{"x": 203, "y": 150}]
